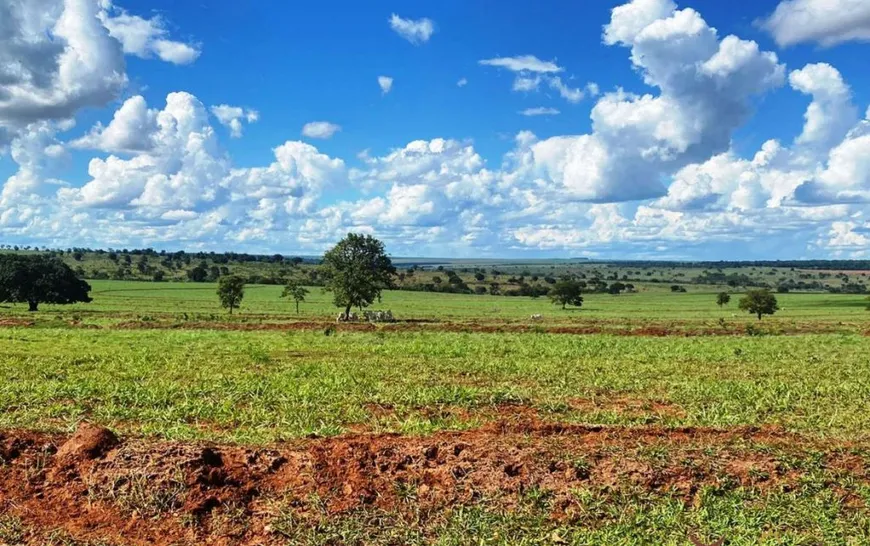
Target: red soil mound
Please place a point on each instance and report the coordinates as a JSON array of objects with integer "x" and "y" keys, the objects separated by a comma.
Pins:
[{"x": 162, "y": 493}]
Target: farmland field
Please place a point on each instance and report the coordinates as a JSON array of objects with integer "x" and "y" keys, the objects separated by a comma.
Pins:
[{"x": 643, "y": 418}]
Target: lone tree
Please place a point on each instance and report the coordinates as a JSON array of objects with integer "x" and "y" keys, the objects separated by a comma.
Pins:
[
  {"x": 356, "y": 270},
  {"x": 759, "y": 302},
  {"x": 231, "y": 291},
  {"x": 296, "y": 291},
  {"x": 40, "y": 279},
  {"x": 567, "y": 292},
  {"x": 723, "y": 298}
]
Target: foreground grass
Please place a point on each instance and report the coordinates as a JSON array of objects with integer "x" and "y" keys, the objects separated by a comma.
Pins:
[{"x": 258, "y": 387}]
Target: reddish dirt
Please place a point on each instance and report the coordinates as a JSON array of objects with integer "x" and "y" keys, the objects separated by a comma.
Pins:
[
  {"x": 15, "y": 323},
  {"x": 682, "y": 330},
  {"x": 141, "y": 492}
]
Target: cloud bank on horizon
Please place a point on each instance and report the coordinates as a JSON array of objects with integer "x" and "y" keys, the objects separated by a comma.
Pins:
[{"x": 656, "y": 174}]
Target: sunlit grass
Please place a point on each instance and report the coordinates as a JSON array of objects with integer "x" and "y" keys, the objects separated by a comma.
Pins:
[{"x": 262, "y": 386}]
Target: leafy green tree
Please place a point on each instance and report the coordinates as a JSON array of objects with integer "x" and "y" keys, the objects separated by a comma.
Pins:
[
  {"x": 296, "y": 291},
  {"x": 759, "y": 302},
  {"x": 198, "y": 273},
  {"x": 356, "y": 270},
  {"x": 40, "y": 279},
  {"x": 231, "y": 291},
  {"x": 722, "y": 298},
  {"x": 567, "y": 292}
]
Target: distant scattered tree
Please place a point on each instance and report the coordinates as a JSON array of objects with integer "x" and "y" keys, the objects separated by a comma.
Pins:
[
  {"x": 197, "y": 274},
  {"x": 78, "y": 255},
  {"x": 436, "y": 279},
  {"x": 356, "y": 270},
  {"x": 677, "y": 288},
  {"x": 567, "y": 292},
  {"x": 759, "y": 302},
  {"x": 40, "y": 279},
  {"x": 616, "y": 288},
  {"x": 231, "y": 291},
  {"x": 722, "y": 298},
  {"x": 479, "y": 277},
  {"x": 158, "y": 276},
  {"x": 296, "y": 291}
]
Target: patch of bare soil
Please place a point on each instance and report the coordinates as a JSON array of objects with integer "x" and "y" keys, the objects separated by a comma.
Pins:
[
  {"x": 92, "y": 486},
  {"x": 650, "y": 330},
  {"x": 15, "y": 323}
]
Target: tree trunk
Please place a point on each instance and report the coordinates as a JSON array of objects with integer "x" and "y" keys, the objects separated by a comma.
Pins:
[
  {"x": 33, "y": 306},
  {"x": 759, "y": 316},
  {"x": 297, "y": 307},
  {"x": 231, "y": 309},
  {"x": 347, "y": 312}
]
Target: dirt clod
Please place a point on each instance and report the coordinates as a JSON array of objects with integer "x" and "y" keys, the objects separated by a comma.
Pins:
[{"x": 89, "y": 442}]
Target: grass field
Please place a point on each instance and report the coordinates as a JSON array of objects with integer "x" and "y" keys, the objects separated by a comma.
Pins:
[
  {"x": 452, "y": 429},
  {"x": 131, "y": 298}
]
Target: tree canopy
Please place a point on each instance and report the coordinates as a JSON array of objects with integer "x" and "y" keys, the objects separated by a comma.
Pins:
[
  {"x": 296, "y": 291},
  {"x": 231, "y": 291},
  {"x": 722, "y": 298},
  {"x": 567, "y": 292},
  {"x": 40, "y": 279},
  {"x": 759, "y": 302},
  {"x": 356, "y": 270}
]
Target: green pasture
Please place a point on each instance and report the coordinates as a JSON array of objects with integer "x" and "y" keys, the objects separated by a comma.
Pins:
[
  {"x": 264, "y": 386},
  {"x": 134, "y": 299}
]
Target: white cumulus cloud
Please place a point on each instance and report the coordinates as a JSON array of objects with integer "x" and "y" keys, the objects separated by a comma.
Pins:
[
  {"x": 415, "y": 31},
  {"x": 385, "y": 83},
  {"x": 826, "y": 22},
  {"x": 232, "y": 117},
  {"x": 320, "y": 129},
  {"x": 146, "y": 37}
]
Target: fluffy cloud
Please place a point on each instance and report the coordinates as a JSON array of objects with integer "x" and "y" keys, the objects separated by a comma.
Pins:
[
  {"x": 131, "y": 129},
  {"x": 415, "y": 31},
  {"x": 655, "y": 176},
  {"x": 846, "y": 176},
  {"x": 706, "y": 86},
  {"x": 831, "y": 114},
  {"x": 291, "y": 183},
  {"x": 59, "y": 56},
  {"x": 181, "y": 168},
  {"x": 233, "y": 116},
  {"x": 825, "y": 165},
  {"x": 385, "y": 83},
  {"x": 436, "y": 161},
  {"x": 145, "y": 37},
  {"x": 827, "y": 22},
  {"x": 55, "y": 58},
  {"x": 320, "y": 129}
]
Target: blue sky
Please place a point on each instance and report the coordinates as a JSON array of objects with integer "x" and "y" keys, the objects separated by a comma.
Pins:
[{"x": 657, "y": 136}]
